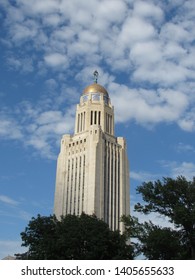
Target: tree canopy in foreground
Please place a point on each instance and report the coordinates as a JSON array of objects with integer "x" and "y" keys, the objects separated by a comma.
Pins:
[
  {"x": 86, "y": 237},
  {"x": 175, "y": 200},
  {"x": 82, "y": 237}
]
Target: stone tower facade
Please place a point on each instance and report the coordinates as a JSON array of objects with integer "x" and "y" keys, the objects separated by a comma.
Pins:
[{"x": 92, "y": 168}]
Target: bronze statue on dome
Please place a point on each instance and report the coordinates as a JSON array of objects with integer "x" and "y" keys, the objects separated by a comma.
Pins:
[{"x": 95, "y": 74}]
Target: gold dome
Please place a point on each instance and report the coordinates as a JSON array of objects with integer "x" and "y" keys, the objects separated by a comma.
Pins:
[{"x": 95, "y": 88}]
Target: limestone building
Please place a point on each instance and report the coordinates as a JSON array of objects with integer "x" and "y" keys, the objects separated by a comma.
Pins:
[{"x": 92, "y": 169}]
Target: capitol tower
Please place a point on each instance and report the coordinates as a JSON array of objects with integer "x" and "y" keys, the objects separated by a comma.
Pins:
[{"x": 92, "y": 169}]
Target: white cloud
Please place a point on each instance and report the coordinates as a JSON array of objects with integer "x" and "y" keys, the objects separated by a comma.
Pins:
[
  {"x": 39, "y": 7},
  {"x": 48, "y": 117},
  {"x": 188, "y": 122},
  {"x": 112, "y": 11},
  {"x": 22, "y": 32},
  {"x": 37, "y": 127},
  {"x": 7, "y": 200},
  {"x": 14, "y": 14},
  {"x": 175, "y": 169},
  {"x": 130, "y": 38},
  {"x": 187, "y": 60},
  {"x": 89, "y": 30},
  {"x": 143, "y": 176},
  {"x": 136, "y": 30},
  {"x": 46, "y": 130},
  {"x": 9, "y": 128},
  {"x": 51, "y": 84},
  {"x": 166, "y": 73},
  {"x": 13, "y": 62},
  {"x": 147, "y": 106},
  {"x": 181, "y": 147},
  {"x": 146, "y": 53},
  {"x": 56, "y": 60},
  {"x": 52, "y": 20},
  {"x": 175, "y": 32},
  {"x": 23, "y": 64},
  {"x": 149, "y": 10},
  {"x": 174, "y": 51},
  {"x": 156, "y": 219},
  {"x": 186, "y": 169},
  {"x": 172, "y": 169},
  {"x": 189, "y": 7}
]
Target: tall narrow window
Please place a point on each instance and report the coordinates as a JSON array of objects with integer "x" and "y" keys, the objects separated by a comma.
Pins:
[
  {"x": 110, "y": 124},
  {"x": 95, "y": 117},
  {"x": 75, "y": 187},
  {"x": 91, "y": 118},
  {"x": 84, "y": 121},
  {"x": 108, "y": 174},
  {"x": 119, "y": 187},
  {"x": 81, "y": 121},
  {"x": 99, "y": 118},
  {"x": 106, "y": 122},
  {"x": 105, "y": 183},
  {"x": 79, "y": 185},
  {"x": 71, "y": 187},
  {"x": 78, "y": 123},
  {"x": 82, "y": 207},
  {"x": 68, "y": 184}
]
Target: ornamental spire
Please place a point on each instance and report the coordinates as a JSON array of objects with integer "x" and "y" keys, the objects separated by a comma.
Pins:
[{"x": 95, "y": 74}]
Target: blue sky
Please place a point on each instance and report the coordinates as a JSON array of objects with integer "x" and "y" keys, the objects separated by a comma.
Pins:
[{"x": 144, "y": 52}]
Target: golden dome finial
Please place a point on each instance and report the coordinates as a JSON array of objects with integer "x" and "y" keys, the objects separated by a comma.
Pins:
[
  {"x": 95, "y": 74},
  {"x": 95, "y": 87}
]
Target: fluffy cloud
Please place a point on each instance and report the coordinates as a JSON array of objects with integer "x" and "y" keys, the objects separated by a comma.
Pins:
[
  {"x": 147, "y": 106},
  {"x": 186, "y": 169},
  {"x": 135, "y": 30},
  {"x": 171, "y": 169},
  {"x": 24, "y": 65},
  {"x": 148, "y": 10},
  {"x": 36, "y": 7},
  {"x": 187, "y": 123},
  {"x": 143, "y": 176},
  {"x": 143, "y": 41},
  {"x": 9, "y": 128},
  {"x": 174, "y": 32},
  {"x": 46, "y": 129},
  {"x": 56, "y": 60},
  {"x": 181, "y": 147},
  {"x": 76, "y": 29},
  {"x": 37, "y": 128}
]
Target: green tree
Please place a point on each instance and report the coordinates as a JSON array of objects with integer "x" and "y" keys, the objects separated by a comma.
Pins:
[
  {"x": 174, "y": 199},
  {"x": 73, "y": 237},
  {"x": 155, "y": 242}
]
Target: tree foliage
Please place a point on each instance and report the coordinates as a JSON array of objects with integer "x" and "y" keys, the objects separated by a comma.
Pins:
[
  {"x": 73, "y": 237},
  {"x": 155, "y": 242},
  {"x": 171, "y": 198}
]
